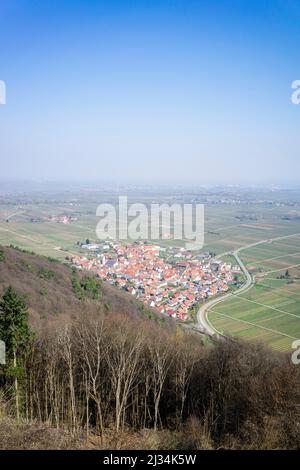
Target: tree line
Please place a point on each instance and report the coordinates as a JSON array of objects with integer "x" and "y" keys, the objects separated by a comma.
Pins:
[{"x": 111, "y": 371}]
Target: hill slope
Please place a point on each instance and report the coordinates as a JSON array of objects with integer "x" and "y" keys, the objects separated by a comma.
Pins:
[
  {"x": 54, "y": 290},
  {"x": 113, "y": 378}
]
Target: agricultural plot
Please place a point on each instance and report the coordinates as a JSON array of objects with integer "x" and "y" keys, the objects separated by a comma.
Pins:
[
  {"x": 270, "y": 311},
  {"x": 48, "y": 239},
  {"x": 227, "y": 227},
  {"x": 235, "y": 236}
]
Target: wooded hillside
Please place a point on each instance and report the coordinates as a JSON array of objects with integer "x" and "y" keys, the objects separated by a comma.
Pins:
[{"x": 108, "y": 376}]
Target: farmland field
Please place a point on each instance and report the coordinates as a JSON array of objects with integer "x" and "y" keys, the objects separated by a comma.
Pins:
[
  {"x": 270, "y": 310},
  {"x": 234, "y": 219}
]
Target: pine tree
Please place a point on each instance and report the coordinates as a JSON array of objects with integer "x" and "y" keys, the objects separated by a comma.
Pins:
[{"x": 15, "y": 332}]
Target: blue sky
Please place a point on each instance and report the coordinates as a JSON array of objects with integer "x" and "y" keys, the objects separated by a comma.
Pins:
[{"x": 170, "y": 91}]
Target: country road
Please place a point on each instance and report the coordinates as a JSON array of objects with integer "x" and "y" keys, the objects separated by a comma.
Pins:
[
  {"x": 203, "y": 323},
  {"x": 202, "y": 319}
]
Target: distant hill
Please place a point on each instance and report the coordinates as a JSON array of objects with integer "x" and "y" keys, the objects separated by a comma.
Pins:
[{"x": 54, "y": 290}]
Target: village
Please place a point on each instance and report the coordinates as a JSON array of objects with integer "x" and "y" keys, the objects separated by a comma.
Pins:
[{"x": 172, "y": 283}]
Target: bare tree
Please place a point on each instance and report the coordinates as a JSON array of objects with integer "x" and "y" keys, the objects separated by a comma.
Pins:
[
  {"x": 161, "y": 359},
  {"x": 123, "y": 358},
  {"x": 66, "y": 349}
]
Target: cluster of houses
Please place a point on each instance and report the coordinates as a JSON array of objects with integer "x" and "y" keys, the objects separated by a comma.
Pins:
[
  {"x": 174, "y": 287},
  {"x": 62, "y": 219}
]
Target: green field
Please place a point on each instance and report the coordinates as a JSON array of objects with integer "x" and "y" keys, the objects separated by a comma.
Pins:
[
  {"x": 270, "y": 310},
  {"x": 226, "y": 226}
]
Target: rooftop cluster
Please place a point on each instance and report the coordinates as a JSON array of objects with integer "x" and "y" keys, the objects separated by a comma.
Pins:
[{"x": 173, "y": 284}]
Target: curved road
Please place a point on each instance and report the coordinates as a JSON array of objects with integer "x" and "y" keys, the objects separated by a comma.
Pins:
[
  {"x": 202, "y": 319},
  {"x": 204, "y": 324}
]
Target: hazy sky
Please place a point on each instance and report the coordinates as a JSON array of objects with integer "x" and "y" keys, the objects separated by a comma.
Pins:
[{"x": 170, "y": 90}]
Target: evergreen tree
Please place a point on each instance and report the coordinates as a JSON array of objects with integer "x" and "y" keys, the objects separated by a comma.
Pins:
[{"x": 15, "y": 332}]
